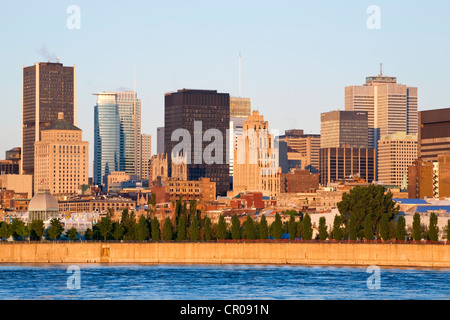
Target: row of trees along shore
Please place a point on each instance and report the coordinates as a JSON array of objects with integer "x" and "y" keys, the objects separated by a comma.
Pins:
[{"x": 366, "y": 213}]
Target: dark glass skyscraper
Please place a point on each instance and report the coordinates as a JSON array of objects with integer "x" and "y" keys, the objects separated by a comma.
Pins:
[
  {"x": 210, "y": 108},
  {"x": 48, "y": 88}
]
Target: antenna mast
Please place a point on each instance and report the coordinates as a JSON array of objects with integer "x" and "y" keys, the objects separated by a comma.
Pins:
[{"x": 240, "y": 75}]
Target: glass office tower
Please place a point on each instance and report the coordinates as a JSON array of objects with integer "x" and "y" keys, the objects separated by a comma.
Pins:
[{"x": 109, "y": 153}]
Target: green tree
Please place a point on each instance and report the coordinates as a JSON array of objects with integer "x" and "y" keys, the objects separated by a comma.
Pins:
[
  {"x": 417, "y": 228},
  {"x": 194, "y": 230},
  {"x": 168, "y": 229},
  {"x": 300, "y": 229},
  {"x": 18, "y": 229},
  {"x": 277, "y": 227},
  {"x": 142, "y": 231},
  {"x": 292, "y": 227},
  {"x": 337, "y": 228},
  {"x": 384, "y": 227},
  {"x": 105, "y": 227},
  {"x": 88, "y": 234},
  {"x": 352, "y": 229},
  {"x": 447, "y": 230},
  {"x": 401, "y": 228},
  {"x": 263, "y": 228},
  {"x": 117, "y": 231},
  {"x": 392, "y": 230},
  {"x": 55, "y": 229},
  {"x": 207, "y": 228},
  {"x": 4, "y": 230},
  {"x": 37, "y": 229},
  {"x": 363, "y": 201},
  {"x": 155, "y": 230},
  {"x": 307, "y": 228},
  {"x": 72, "y": 234},
  {"x": 235, "y": 228},
  {"x": 323, "y": 232},
  {"x": 181, "y": 229},
  {"x": 222, "y": 228},
  {"x": 129, "y": 226},
  {"x": 368, "y": 228},
  {"x": 250, "y": 229},
  {"x": 433, "y": 229}
]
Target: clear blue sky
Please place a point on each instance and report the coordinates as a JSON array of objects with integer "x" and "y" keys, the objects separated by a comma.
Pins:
[{"x": 297, "y": 55}]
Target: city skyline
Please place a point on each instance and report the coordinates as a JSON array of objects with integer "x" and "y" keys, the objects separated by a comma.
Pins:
[{"x": 289, "y": 81}]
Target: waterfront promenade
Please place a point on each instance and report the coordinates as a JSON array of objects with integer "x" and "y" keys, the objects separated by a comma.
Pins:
[{"x": 335, "y": 254}]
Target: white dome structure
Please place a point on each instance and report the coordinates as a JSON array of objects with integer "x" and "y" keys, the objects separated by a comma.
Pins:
[{"x": 43, "y": 206}]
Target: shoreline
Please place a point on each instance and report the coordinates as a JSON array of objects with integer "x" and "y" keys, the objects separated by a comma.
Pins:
[{"x": 422, "y": 256}]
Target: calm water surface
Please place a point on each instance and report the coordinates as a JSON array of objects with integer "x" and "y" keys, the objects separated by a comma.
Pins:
[{"x": 229, "y": 282}]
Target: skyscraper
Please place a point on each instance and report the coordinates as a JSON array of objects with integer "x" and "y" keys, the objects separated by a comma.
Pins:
[
  {"x": 129, "y": 109},
  {"x": 240, "y": 110},
  {"x": 196, "y": 112},
  {"x": 146, "y": 155},
  {"x": 108, "y": 141},
  {"x": 396, "y": 153},
  {"x": 344, "y": 129},
  {"x": 391, "y": 107},
  {"x": 160, "y": 140},
  {"x": 61, "y": 159},
  {"x": 256, "y": 166},
  {"x": 344, "y": 152},
  {"x": 48, "y": 88},
  {"x": 434, "y": 133},
  {"x": 120, "y": 143}
]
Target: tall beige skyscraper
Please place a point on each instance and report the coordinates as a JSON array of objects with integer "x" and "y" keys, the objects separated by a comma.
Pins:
[
  {"x": 146, "y": 154},
  {"x": 256, "y": 165},
  {"x": 61, "y": 159},
  {"x": 396, "y": 152},
  {"x": 391, "y": 107},
  {"x": 240, "y": 109}
]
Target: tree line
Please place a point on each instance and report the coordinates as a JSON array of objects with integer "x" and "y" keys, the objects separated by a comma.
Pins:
[{"x": 364, "y": 213}]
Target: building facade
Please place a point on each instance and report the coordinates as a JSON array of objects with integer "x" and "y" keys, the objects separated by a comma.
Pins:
[
  {"x": 304, "y": 148},
  {"x": 61, "y": 159},
  {"x": 196, "y": 112},
  {"x": 428, "y": 179},
  {"x": 344, "y": 129},
  {"x": 160, "y": 140},
  {"x": 48, "y": 88},
  {"x": 340, "y": 163},
  {"x": 256, "y": 165},
  {"x": 434, "y": 133},
  {"x": 146, "y": 155},
  {"x": 396, "y": 153},
  {"x": 391, "y": 107}
]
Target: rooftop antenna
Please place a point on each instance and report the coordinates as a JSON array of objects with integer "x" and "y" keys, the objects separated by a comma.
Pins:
[
  {"x": 381, "y": 69},
  {"x": 240, "y": 75}
]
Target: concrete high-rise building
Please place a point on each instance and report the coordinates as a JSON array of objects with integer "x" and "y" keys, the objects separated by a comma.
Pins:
[
  {"x": 197, "y": 112},
  {"x": 391, "y": 107},
  {"x": 240, "y": 109},
  {"x": 256, "y": 165},
  {"x": 146, "y": 155},
  {"x": 434, "y": 133},
  {"x": 344, "y": 129},
  {"x": 303, "y": 148},
  {"x": 396, "y": 153},
  {"x": 48, "y": 88},
  {"x": 160, "y": 140},
  {"x": 61, "y": 159}
]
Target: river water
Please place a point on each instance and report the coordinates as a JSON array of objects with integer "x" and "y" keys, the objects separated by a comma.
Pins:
[{"x": 219, "y": 282}]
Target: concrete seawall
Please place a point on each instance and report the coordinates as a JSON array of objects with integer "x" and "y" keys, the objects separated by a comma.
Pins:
[{"x": 389, "y": 255}]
